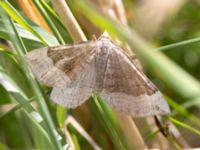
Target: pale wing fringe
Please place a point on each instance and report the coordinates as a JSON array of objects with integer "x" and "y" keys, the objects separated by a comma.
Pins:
[{"x": 137, "y": 106}]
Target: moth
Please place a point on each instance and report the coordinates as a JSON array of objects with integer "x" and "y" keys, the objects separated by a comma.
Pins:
[{"x": 100, "y": 67}]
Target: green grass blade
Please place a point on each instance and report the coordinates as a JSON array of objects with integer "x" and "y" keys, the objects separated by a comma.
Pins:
[
  {"x": 151, "y": 135},
  {"x": 182, "y": 111},
  {"x": 15, "y": 108},
  {"x": 30, "y": 41},
  {"x": 19, "y": 44},
  {"x": 190, "y": 103},
  {"x": 40, "y": 136},
  {"x": 18, "y": 18},
  {"x": 63, "y": 31},
  {"x": 4, "y": 96},
  {"x": 108, "y": 120},
  {"x": 8, "y": 67},
  {"x": 25, "y": 104},
  {"x": 61, "y": 114},
  {"x": 185, "y": 126},
  {"x": 49, "y": 21},
  {"x": 178, "y": 44},
  {"x": 18, "y": 139}
]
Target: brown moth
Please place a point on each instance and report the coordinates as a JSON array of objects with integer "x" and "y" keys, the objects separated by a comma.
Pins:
[{"x": 100, "y": 67}]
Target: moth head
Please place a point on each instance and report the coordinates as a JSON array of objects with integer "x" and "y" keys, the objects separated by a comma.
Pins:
[{"x": 104, "y": 36}]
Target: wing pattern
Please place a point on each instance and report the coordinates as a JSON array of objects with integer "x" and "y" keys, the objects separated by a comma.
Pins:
[
  {"x": 76, "y": 71},
  {"x": 75, "y": 93},
  {"x": 59, "y": 65},
  {"x": 128, "y": 90}
]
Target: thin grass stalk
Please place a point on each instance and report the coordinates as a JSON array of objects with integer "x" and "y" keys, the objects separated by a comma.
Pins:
[
  {"x": 190, "y": 103},
  {"x": 131, "y": 131},
  {"x": 35, "y": 87},
  {"x": 15, "y": 108},
  {"x": 37, "y": 140},
  {"x": 109, "y": 122},
  {"x": 61, "y": 28},
  {"x": 151, "y": 135},
  {"x": 120, "y": 11},
  {"x": 39, "y": 128},
  {"x": 68, "y": 20},
  {"x": 182, "y": 111},
  {"x": 20, "y": 44},
  {"x": 49, "y": 21},
  {"x": 177, "y": 44},
  {"x": 52, "y": 13},
  {"x": 80, "y": 129},
  {"x": 185, "y": 126}
]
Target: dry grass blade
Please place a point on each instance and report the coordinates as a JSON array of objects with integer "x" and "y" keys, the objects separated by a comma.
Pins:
[
  {"x": 120, "y": 11},
  {"x": 77, "y": 126},
  {"x": 68, "y": 20}
]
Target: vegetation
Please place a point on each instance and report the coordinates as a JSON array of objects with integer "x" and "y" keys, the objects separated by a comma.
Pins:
[{"x": 165, "y": 39}]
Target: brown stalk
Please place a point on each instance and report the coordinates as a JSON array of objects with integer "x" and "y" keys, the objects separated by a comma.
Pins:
[
  {"x": 170, "y": 132},
  {"x": 126, "y": 122},
  {"x": 69, "y": 20},
  {"x": 80, "y": 129},
  {"x": 120, "y": 11}
]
